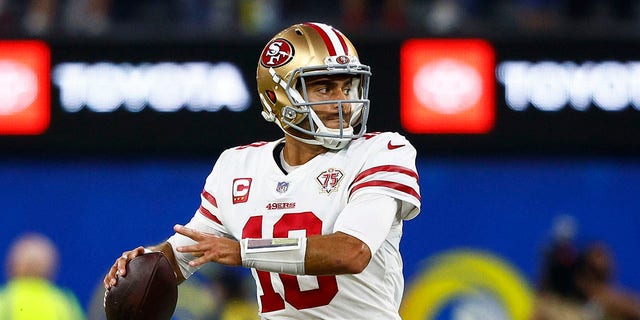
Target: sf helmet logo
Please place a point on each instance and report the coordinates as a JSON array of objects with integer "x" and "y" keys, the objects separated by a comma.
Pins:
[
  {"x": 343, "y": 60},
  {"x": 277, "y": 53}
]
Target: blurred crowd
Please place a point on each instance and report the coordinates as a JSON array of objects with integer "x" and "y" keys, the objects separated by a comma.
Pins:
[
  {"x": 578, "y": 281},
  {"x": 31, "y": 291},
  {"x": 375, "y": 18}
]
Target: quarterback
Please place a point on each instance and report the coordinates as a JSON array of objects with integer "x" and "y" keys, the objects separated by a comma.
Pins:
[{"x": 318, "y": 214}]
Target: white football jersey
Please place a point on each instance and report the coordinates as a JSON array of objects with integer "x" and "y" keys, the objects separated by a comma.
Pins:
[{"x": 247, "y": 195}]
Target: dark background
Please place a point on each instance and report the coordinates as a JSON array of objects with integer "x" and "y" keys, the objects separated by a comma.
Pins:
[
  {"x": 102, "y": 183},
  {"x": 566, "y": 132}
]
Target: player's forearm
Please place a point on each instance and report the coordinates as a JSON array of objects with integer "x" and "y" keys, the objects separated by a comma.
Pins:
[{"x": 337, "y": 253}]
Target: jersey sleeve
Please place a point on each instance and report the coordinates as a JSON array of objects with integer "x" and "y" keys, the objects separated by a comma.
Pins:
[
  {"x": 389, "y": 169},
  {"x": 206, "y": 219},
  {"x": 198, "y": 222},
  {"x": 368, "y": 207}
]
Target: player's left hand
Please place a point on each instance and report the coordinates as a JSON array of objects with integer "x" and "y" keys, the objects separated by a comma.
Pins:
[{"x": 209, "y": 248}]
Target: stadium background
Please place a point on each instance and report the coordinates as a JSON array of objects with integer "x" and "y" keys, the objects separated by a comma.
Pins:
[{"x": 102, "y": 182}]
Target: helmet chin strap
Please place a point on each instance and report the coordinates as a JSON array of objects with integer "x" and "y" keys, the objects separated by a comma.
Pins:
[
  {"x": 327, "y": 142},
  {"x": 307, "y": 141},
  {"x": 333, "y": 143},
  {"x": 330, "y": 138}
]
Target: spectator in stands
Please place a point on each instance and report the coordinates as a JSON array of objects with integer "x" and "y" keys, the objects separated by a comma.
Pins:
[
  {"x": 88, "y": 17},
  {"x": 594, "y": 278},
  {"x": 30, "y": 293},
  {"x": 578, "y": 284},
  {"x": 557, "y": 297}
]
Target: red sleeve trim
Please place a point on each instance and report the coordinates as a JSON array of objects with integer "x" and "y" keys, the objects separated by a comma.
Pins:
[
  {"x": 387, "y": 168},
  {"x": 209, "y": 215},
  {"x": 212, "y": 200},
  {"x": 207, "y": 196},
  {"x": 386, "y": 184}
]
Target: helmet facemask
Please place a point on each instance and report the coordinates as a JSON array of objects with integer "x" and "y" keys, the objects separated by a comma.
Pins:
[{"x": 301, "y": 116}]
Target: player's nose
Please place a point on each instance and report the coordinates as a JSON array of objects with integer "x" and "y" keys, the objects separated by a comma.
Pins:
[{"x": 339, "y": 95}]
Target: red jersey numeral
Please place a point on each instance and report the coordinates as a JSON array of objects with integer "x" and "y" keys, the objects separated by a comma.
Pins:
[
  {"x": 254, "y": 145},
  {"x": 370, "y": 135},
  {"x": 300, "y": 299}
]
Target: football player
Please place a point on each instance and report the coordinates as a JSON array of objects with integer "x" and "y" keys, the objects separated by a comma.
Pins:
[{"x": 318, "y": 214}]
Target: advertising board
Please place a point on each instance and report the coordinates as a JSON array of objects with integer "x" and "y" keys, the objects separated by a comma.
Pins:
[{"x": 449, "y": 96}]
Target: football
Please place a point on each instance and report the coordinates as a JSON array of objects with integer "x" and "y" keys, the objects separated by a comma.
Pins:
[{"x": 148, "y": 291}]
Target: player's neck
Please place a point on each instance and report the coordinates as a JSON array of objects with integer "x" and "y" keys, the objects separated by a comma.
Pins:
[{"x": 298, "y": 153}]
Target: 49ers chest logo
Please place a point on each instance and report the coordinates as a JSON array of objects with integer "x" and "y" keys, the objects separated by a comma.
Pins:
[
  {"x": 329, "y": 180},
  {"x": 277, "y": 53}
]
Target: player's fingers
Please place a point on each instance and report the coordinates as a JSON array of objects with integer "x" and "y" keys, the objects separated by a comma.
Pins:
[
  {"x": 193, "y": 249},
  {"x": 197, "y": 254},
  {"x": 119, "y": 268},
  {"x": 199, "y": 261},
  {"x": 121, "y": 263},
  {"x": 110, "y": 278},
  {"x": 188, "y": 232},
  {"x": 195, "y": 234}
]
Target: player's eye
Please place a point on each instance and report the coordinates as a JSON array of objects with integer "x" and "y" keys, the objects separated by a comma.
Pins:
[{"x": 323, "y": 90}]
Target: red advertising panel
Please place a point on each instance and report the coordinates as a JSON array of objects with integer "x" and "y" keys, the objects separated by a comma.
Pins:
[
  {"x": 447, "y": 86},
  {"x": 24, "y": 87}
]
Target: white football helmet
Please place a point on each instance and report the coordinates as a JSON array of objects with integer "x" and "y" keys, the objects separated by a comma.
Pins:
[{"x": 309, "y": 50}]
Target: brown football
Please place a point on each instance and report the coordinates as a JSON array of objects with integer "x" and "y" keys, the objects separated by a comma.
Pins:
[{"x": 149, "y": 291}]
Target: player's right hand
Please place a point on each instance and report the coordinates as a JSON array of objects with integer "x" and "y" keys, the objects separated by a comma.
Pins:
[{"x": 119, "y": 267}]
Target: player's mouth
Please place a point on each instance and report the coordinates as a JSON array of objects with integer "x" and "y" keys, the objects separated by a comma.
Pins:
[{"x": 334, "y": 122}]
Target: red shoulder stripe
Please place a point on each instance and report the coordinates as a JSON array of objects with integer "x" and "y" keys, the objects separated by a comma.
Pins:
[
  {"x": 386, "y": 168},
  {"x": 209, "y": 198},
  {"x": 212, "y": 200},
  {"x": 386, "y": 184},
  {"x": 209, "y": 215}
]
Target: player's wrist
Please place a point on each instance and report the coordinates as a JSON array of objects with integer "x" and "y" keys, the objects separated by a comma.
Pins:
[{"x": 281, "y": 255}]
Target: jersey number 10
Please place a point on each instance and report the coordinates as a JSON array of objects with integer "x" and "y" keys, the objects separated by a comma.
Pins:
[{"x": 270, "y": 299}]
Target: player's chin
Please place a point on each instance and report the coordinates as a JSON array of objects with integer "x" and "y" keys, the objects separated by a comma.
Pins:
[{"x": 337, "y": 128}]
